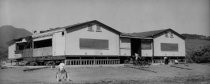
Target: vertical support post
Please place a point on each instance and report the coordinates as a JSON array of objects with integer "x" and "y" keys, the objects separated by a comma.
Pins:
[
  {"x": 80, "y": 61},
  {"x": 69, "y": 62},
  {"x": 94, "y": 60},
  {"x": 65, "y": 62},
  {"x": 32, "y": 51},
  {"x": 153, "y": 50}
]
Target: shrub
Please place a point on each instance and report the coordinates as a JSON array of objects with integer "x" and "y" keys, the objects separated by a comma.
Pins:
[{"x": 200, "y": 56}]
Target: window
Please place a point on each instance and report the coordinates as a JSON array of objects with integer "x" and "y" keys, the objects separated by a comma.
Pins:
[
  {"x": 171, "y": 35},
  {"x": 62, "y": 33},
  {"x": 24, "y": 45},
  {"x": 94, "y": 44},
  {"x": 98, "y": 29},
  {"x": 90, "y": 28},
  {"x": 169, "y": 47},
  {"x": 166, "y": 35},
  {"x": 43, "y": 43},
  {"x": 146, "y": 44}
]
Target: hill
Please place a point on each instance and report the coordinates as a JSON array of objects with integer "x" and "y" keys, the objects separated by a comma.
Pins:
[
  {"x": 7, "y": 33},
  {"x": 195, "y": 44},
  {"x": 196, "y": 36}
]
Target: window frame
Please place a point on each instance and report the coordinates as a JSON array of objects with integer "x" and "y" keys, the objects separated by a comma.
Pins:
[
  {"x": 93, "y": 44},
  {"x": 146, "y": 42},
  {"x": 98, "y": 28},
  {"x": 42, "y": 43},
  {"x": 166, "y": 35},
  {"x": 171, "y": 50},
  {"x": 90, "y": 28},
  {"x": 171, "y": 35}
]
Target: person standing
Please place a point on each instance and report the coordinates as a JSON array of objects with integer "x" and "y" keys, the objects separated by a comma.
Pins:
[
  {"x": 166, "y": 60},
  {"x": 136, "y": 58}
]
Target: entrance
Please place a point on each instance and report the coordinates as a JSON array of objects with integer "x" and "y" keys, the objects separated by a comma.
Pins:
[{"x": 135, "y": 46}]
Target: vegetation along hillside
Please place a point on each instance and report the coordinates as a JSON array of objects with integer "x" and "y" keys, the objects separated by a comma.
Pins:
[
  {"x": 8, "y": 33},
  {"x": 198, "y": 50}
]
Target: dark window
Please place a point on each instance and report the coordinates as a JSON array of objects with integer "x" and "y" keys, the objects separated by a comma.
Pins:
[
  {"x": 62, "y": 33},
  {"x": 166, "y": 35},
  {"x": 98, "y": 28},
  {"x": 43, "y": 43},
  {"x": 90, "y": 28},
  {"x": 24, "y": 45},
  {"x": 146, "y": 44},
  {"x": 124, "y": 40},
  {"x": 169, "y": 47},
  {"x": 94, "y": 44},
  {"x": 171, "y": 35}
]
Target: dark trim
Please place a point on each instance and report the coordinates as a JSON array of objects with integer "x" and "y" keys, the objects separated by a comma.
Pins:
[
  {"x": 92, "y": 55},
  {"x": 164, "y": 56},
  {"x": 153, "y": 51},
  {"x": 119, "y": 45},
  {"x": 124, "y": 56}
]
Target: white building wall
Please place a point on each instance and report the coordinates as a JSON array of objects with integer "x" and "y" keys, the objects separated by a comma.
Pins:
[
  {"x": 58, "y": 44},
  {"x": 163, "y": 39},
  {"x": 146, "y": 53},
  {"x": 73, "y": 46},
  {"x": 11, "y": 52},
  {"x": 125, "y": 47}
]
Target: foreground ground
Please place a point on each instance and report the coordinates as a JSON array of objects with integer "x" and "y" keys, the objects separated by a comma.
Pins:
[{"x": 124, "y": 74}]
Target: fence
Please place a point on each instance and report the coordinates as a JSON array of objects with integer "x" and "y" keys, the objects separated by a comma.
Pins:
[{"x": 91, "y": 61}]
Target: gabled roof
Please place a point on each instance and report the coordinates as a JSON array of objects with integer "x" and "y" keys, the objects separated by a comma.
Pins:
[
  {"x": 79, "y": 26},
  {"x": 27, "y": 38},
  {"x": 70, "y": 27},
  {"x": 153, "y": 34}
]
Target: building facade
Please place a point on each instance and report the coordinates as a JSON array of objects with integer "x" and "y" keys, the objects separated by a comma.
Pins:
[
  {"x": 156, "y": 45},
  {"x": 93, "y": 42}
]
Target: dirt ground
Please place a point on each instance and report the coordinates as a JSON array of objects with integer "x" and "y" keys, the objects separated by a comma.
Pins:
[{"x": 124, "y": 74}]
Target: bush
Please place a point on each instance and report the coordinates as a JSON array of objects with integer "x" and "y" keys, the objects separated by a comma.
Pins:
[{"x": 200, "y": 56}]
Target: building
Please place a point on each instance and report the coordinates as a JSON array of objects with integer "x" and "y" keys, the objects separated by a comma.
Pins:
[
  {"x": 90, "y": 42},
  {"x": 156, "y": 45},
  {"x": 93, "y": 42}
]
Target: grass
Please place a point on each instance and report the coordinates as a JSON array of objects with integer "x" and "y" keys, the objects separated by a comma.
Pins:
[{"x": 173, "y": 74}]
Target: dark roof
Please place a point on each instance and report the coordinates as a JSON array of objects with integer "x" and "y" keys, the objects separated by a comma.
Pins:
[
  {"x": 153, "y": 34},
  {"x": 51, "y": 29},
  {"x": 125, "y": 35},
  {"x": 28, "y": 39},
  {"x": 78, "y": 26}
]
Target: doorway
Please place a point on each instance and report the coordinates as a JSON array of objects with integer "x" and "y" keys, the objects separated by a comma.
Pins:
[{"x": 135, "y": 46}]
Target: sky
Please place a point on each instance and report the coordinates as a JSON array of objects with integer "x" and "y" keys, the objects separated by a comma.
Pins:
[{"x": 183, "y": 16}]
